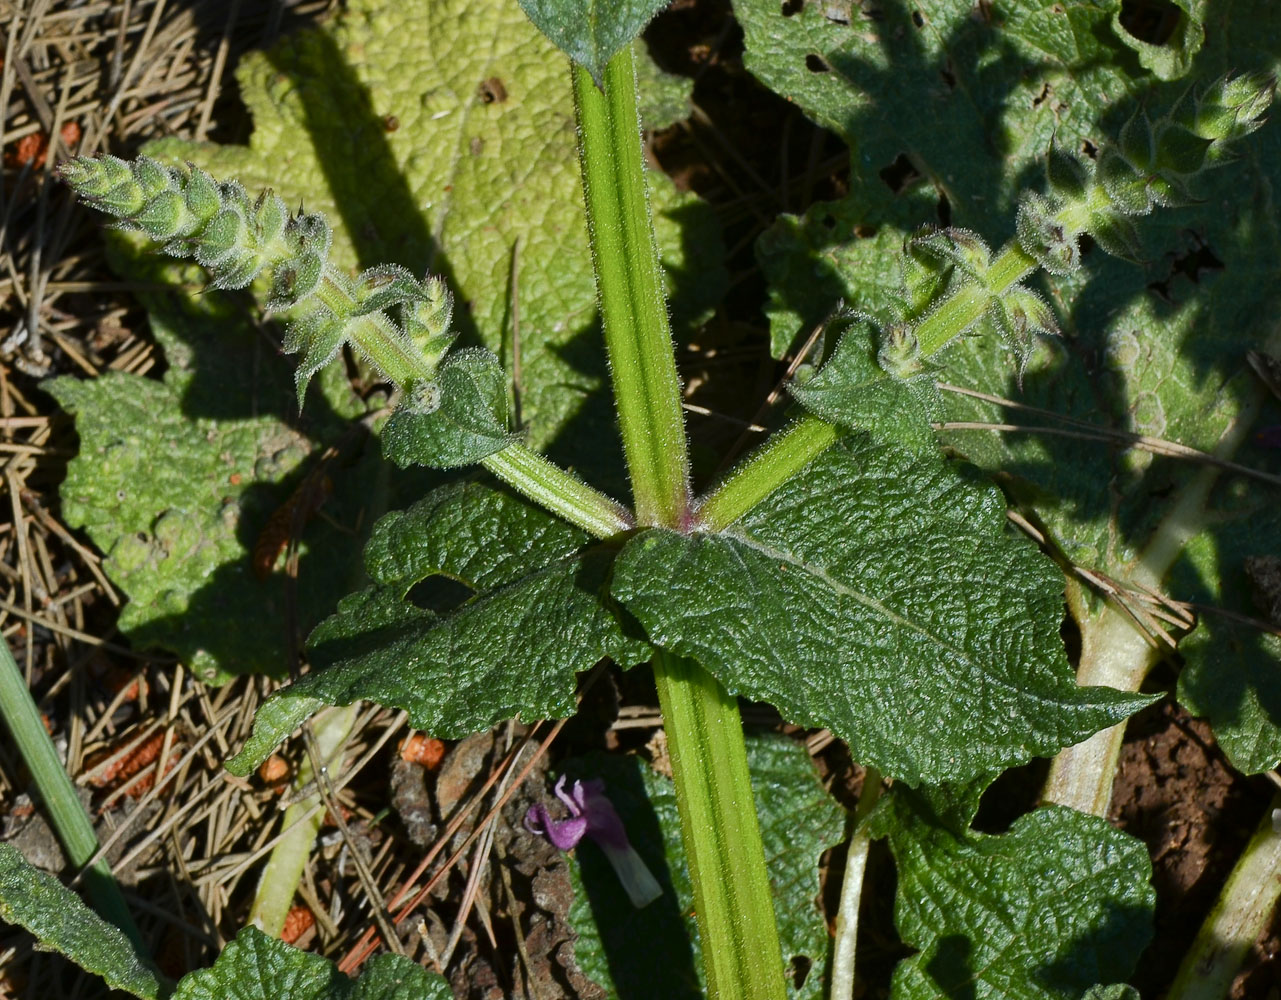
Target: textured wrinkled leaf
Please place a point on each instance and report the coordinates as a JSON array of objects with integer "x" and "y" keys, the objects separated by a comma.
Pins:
[
  {"x": 258, "y": 967},
  {"x": 59, "y": 920},
  {"x": 617, "y": 942},
  {"x": 1157, "y": 348},
  {"x": 852, "y": 391},
  {"x": 537, "y": 616},
  {"x": 460, "y": 418},
  {"x": 176, "y": 480},
  {"x": 456, "y": 155},
  {"x": 1052, "y": 908},
  {"x": 883, "y": 597},
  {"x": 591, "y": 31}
]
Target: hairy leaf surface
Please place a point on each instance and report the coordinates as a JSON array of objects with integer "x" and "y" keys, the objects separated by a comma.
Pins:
[
  {"x": 617, "y": 943},
  {"x": 258, "y": 967},
  {"x": 882, "y": 597},
  {"x": 1058, "y": 906},
  {"x": 537, "y": 617},
  {"x": 61, "y": 922},
  {"x": 591, "y": 31}
]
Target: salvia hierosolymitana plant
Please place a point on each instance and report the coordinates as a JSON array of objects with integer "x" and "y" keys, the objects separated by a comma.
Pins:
[{"x": 845, "y": 572}]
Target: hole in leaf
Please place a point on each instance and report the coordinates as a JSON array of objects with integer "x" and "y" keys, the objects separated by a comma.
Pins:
[
  {"x": 1189, "y": 265},
  {"x": 1089, "y": 149},
  {"x": 945, "y": 210},
  {"x": 1151, "y": 21},
  {"x": 900, "y": 174},
  {"x": 816, "y": 64},
  {"x": 918, "y": 19},
  {"x": 1041, "y": 97},
  {"x": 438, "y": 594},
  {"x": 792, "y": 7},
  {"x": 799, "y": 969},
  {"x": 492, "y": 91},
  {"x": 829, "y": 221}
]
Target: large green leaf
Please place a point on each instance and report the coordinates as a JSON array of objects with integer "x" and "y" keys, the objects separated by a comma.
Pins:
[
  {"x": 176, "y": 480},
  {"x": 537, "y": 617},
  {"x": 478, "y": 181},
  {"x": 1058, "y": 905},
  {"x": 617, "y": 942},
  {"x": 258, "y": 967},
  {"x": 883, "y": 597},
  {"x": 1158, "y": 348},
  {"x": 61, "y": 922}
]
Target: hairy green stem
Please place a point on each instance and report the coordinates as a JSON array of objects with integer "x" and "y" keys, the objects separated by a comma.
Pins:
[
  {"x": 785, "y": 454},
  {"x": 846, "y": 937},
  {"x": 732, "y": 899},
  {"x": 66, "y": 813},
  {"x": 629, "y": 286},
  {"x": 1239, "y": 916},
  {"x": 284, "y": 868},
  {"x": 559, "y": 491},
  {"x": 741, "y": 952}
]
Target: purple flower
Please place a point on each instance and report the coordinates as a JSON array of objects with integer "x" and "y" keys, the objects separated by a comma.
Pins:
[{"x": 592, "y": 814}]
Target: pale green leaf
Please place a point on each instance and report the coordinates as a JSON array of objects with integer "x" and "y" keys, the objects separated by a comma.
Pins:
[
  {"x": 176, "y": 480},
  {"x": 59, "y": 920},
  {"x": 617, "y": 942},
  {"x": 538, "y": 616},
  {"x": 883, "y": 597},
  {"x": 590, "y": 32},
  {"x": 258, "y": 967},
  {"x": 456, "y": 155},
  {"x": 1052, "y": 908}
]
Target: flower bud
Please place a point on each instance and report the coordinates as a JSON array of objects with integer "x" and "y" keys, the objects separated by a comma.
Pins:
[{"x": 1045, "y": 237}]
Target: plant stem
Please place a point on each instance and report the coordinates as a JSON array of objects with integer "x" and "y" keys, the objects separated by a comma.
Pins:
[
  {"x": 741, "y": 952},
  {"x": 559, "y": 491},
  {"x": 732, "y": 898},
  {"x": 1115, "y": 653},
  {"x": 629, "y": 285},
  {"x": 846, "y": 938},
  {"x": 283, "y": 871},
  {"x": 67, "y": 815},
  {"x": 781, "y": 457},
  {"x": 1240, "y": 915}
]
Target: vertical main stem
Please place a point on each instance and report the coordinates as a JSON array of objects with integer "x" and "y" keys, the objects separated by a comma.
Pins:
[
  {"x": 735, "y": 908},
  {"x": 732, "y": 898},
  {"x": 629, "y": 284}
]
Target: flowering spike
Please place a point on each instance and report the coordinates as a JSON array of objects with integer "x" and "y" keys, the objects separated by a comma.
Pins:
[{"x": 392, "y": 319}]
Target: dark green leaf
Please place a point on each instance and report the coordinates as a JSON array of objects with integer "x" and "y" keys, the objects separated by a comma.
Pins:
[
  {"x": 590, "y": 32},
  {"x": 853, "y": 391},
  {"x": 882, "y": 597},
  {"x": 1171, "y": 56},
  {"x": 458, "y": 419},
  {"x": 617, "y": 943},
  {"x": 537, "y": 618},
  {"x": 61, "y": 922},
  {"x": 1046, "y": 911},
  {"x": 258, "y": 967}
]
